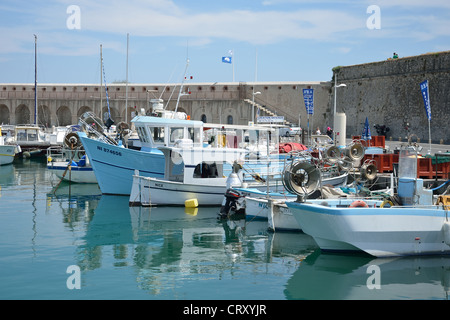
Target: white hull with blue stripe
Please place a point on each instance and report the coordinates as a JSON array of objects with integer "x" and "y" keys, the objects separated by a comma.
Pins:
[{"x": 381, "y": 232}]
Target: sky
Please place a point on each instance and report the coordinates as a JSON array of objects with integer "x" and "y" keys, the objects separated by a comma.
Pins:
[{"x": 268, "y": 40}]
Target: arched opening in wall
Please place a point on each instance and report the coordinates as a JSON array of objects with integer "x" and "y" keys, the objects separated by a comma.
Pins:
[
  {"x": 63, "y": 116},
  {"x": 230, "y": 119},
  {"x": 203, "y": 118},
  {"x": 132, "y": 112},
  {"x": 44, "y": 118},
  {"x": 82, "y": 110},
  {"x": 114, "y": 115},
  {"x": 4, "y": 114},
  {"x": 22, "y": 114}
]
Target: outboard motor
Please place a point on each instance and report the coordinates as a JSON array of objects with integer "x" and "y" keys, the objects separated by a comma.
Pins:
[{"x": 233, "y": 204}]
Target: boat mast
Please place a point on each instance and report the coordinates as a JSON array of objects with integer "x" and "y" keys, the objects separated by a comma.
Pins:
[
  {"x": 35, "y": 81},
  {"x": 126, "y": 88},
  {"x": 101, "y": 81}
]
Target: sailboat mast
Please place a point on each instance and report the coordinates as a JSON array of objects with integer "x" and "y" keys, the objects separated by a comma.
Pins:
[
  {"x": 35, "y": 81},
  {"x": 126, "y": 88},
  {"x": 101, "y": 81}
]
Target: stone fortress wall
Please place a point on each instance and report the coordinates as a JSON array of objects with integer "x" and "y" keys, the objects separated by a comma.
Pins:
[{"x": 387, "y": 92}]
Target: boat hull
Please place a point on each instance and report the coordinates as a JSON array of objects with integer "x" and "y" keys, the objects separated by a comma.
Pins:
[
  {"x": 114, "y": 166},
  {"x": 281, "y": 218},
  {"x": 154, "y": 192},
  {"x": 7, "y": 154},
  {"x": 380, "y": 232},
  {"x": 74, "y": 174}
]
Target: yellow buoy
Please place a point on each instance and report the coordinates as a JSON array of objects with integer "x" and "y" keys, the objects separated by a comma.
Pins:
[{"x": 191, "y": 203}]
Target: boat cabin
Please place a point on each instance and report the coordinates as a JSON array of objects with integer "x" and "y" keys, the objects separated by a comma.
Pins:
[
  {"x": 157, "y": 132},
  {"x": 200, "y": 165}
]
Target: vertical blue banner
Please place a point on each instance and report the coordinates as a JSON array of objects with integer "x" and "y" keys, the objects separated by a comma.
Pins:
[
  {"x": 426, "y": 97},
  {"x": 308, "y": 96}
]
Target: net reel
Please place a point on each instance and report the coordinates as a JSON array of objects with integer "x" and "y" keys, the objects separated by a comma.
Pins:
[
  {"x": 301, "y": 178},
  {"x": 368, "y": 171},
  {"x": 72, "y": 140},
  {"x": 333, "y": 154},
  {"x": 355, "y": 151}
]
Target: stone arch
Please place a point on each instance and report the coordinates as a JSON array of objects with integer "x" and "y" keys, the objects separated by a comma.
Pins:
[
  {"x": 129, "y": 116},
  {"x": 63, "y": 116},
  {"x": 4, "y": 114},
  {"x": 232, "y": 115},
  {"x": 44, "y": 117},
  {"x": 22, "y": 114},
  {"x": 114, "y": 114},
  {"x": 82, "y": 110}
]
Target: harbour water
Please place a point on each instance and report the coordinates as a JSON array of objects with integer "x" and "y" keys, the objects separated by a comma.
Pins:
[{"x": 51, "y": 241}]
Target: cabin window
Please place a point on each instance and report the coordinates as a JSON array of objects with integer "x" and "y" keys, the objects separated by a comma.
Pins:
[
  {"x": 157, "y": 134},
  {"x": 32, "y": 135},
  {"x": 142, "y": 134},
  {"x": 206, "y": 170},
  {"x": 195, "y": 135},
  {"x": 176, "y": 133}
]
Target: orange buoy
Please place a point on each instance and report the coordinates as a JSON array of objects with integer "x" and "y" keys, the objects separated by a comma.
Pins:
[{"x": 359, "y": 204}]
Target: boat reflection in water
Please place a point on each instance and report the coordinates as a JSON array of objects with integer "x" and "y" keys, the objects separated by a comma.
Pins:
[
  {"x": 172, "y": 247},
  {"x": 355, "y": 277}
]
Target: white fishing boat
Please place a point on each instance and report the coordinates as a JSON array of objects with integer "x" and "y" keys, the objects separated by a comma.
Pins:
[
  {"x": 69, "y": 161},
  {"x": 32, "y": 139},
  {"x": 195, "y": 175},
  {"x": 70, "y": 165},
  {"x": 332, "y": 171},
  {"x": 114, "y": 165},
  {"x": 413, "y": 223},
  {"x": 7, "y": 151}
]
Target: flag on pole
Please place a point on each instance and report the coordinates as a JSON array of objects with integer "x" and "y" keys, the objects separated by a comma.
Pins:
[
  {"x": 366, "y": 131},
  {"x": 308, "y": 96},
  {"x": 226, "y": 59},
  {"x": 426, "y": 97}
]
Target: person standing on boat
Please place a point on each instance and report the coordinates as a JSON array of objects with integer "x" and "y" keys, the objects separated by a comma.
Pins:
[
  {"x": 318, "y": 131},
  {"x": 330, "y": 132}
]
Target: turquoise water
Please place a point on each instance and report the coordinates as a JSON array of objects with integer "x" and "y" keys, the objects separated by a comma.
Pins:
[{"x": 120, "y": 252}]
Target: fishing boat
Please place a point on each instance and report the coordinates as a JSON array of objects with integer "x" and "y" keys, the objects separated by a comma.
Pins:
[
  {"x": 7, "y": 151},
  {"x": 114, "y": 165},
  {"x": 70, "y": 165},
  {"x": 192, "y": 177},
  {"x": 414, "y": 222},
  {"x": 32, "y": 139},
  {"x": 333, "y": 166}
]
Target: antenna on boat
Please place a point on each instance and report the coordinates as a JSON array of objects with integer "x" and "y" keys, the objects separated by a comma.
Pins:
[{"x": 182, "y": 85}]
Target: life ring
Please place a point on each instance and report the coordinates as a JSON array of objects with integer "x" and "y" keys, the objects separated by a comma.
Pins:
[
  {"x": 359, "y": 204},
  {"x": 385, "y": 202}
]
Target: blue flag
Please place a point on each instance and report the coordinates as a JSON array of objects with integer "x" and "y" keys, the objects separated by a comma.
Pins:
[
  {"x": 426, "y": 97},
  {"x": 226, "y": 59},
  {"x": 308, "y": 96}
]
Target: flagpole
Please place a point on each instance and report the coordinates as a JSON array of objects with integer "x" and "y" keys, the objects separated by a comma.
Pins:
[
  {"x": 232, "y": 62},
  {"x": 429, "y": 135}
]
